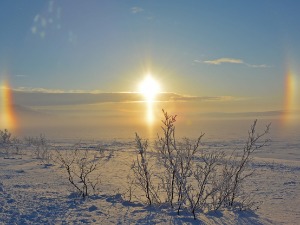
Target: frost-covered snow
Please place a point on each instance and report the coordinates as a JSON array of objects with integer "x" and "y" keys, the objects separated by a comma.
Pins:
[{"x": 31, "y": 193}]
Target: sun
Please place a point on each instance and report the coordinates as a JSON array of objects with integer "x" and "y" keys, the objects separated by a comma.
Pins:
[{"x": 149, "y": 88}]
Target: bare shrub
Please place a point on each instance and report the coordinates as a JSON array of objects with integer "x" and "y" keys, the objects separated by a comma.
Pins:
[
  {"x": 235, "y": 171},
  {"x": 168, "y": 155},
  {"x": 177, "y": 159},
  {"x": 5, "y": 136},
  {"x": 41, "y": 148},
  {"x": 82, "y": 167},
  {"x": 199, "y": 191},
  {"x": 192, "y": 178},
  {"x": 8, "y": 144},
  {"x": 143, "y": 176},
  {"x": 17, "y": 145}
]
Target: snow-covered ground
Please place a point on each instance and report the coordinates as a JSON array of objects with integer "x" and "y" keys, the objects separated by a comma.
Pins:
[{"x": 32, "y": 193}]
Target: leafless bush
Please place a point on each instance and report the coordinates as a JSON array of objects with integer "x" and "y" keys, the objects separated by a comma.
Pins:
[
  {"x": 186, "y": 152},
  {"x": 195, "y": 179},
  {"x": 235, "y": 171},
  {"x": 82, "y": 168},
  {"x": 168, "y": 155},
  {"x": 41, "y": 148},
  {"x": 143, "y": 176},
  {"x": 177, "y": 159},
  {"x": 17, "y": 145},
  {"x": 199, "y": 191},
  {"x": 5, "y": 136},
  {"x": 8, "y": 144}
]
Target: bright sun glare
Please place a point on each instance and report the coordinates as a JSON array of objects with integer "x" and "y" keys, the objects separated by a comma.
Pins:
[{"x": 149, "y": 88}]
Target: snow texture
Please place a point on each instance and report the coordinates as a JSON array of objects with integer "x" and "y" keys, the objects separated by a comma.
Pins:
[{"x": 32, "y": 193}]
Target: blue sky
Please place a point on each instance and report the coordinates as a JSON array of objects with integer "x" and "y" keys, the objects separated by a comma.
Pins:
[
  {"x": 217, "y": 59},
  {"x": 200, "y": 48}
]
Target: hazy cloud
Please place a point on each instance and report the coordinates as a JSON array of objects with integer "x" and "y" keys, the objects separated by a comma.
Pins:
[
  {"x": 46, "y": 21},
  {"x": 36, "y": 18},
  {"x": 180, "y": 97},
  {"x": 136, "y": 9},
  {"x": 72, "y": 38},
  {"x": 42, "y": 34},
  {"x": 47, "y": 97},
  {"x": 224, "y": 60},
  {"x": 33, "y": 29},
  {"x": 50, "y": 6},
  {"x": 232, "y": 61},
  {"x": 258, "y": 66},
  {"x": 53, "y": 91},
  {"x": 242, "y": 114},
  {"x": 43, "y": 22}
]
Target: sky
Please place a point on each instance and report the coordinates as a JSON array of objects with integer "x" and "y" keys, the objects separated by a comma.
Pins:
[{"x": 223, "y": 56}]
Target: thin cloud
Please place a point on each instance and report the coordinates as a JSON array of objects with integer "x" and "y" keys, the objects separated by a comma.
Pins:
[
  {"x": 232, "y": 61},
  {"x": 184, "y": 98},
  {"x": 257, "y": 66},
  {"x": 47, "y": 97},
  {"x": 136, "y": 9},
  {"x": 224, "y": 60},
  {"x": 33, "y": 29},
  {"x": 53, "y": 91},
  {"x": 242, "y": 114}
]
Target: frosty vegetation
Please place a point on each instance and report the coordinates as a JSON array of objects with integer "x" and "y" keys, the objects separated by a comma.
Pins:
[
  {"x": 80, "y": 164},
  {"x": 9, "y": 144},
  {"x": 185, "y": 176},
  {"x": 41, "y": 148},
  {"x": 175, "y": 173}
]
